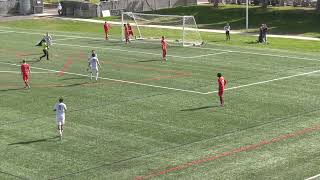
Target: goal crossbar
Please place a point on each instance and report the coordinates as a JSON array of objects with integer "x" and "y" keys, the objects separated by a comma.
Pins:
[
  {"x": 161, "y": 15},
  {"x": 181, "y": 29}
]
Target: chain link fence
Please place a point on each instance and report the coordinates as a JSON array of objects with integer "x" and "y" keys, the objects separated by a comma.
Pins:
[{"x": 9, "y": 7}]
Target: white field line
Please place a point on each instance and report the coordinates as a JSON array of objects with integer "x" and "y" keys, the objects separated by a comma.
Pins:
[
  {"x": 110, "y": 79},
  {"x": 245, "y": 52},
  {"x": 140, "y": 52},
  {"x": 169, "y": 88},
  {"x": 114, "y": 49},
  {"x": 262, "y": 54},
  {"x": 2, "y": 32},
  {"x": 230, "y": 51},
  {"x": 63, "y": 39},
  {"x": 212, "y": 54},
  {"x": 18, "y": 72},
  {"x": 313, "y": 177},
  {"x": 264, "y": 82},
  {"x": 200, "y": 30},
  {"x": 191, "y": 57}
]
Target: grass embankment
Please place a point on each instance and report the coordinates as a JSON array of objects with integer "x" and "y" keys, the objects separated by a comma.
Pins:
[{"x": 281, "y": 20}]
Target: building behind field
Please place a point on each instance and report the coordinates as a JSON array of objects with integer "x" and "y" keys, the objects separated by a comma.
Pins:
[
  {"x": 144, "y": 5},
  {"x": 81, "y": 8},
  {"x": 22, "y": 7},
  {"x": 86, "y": 9}
]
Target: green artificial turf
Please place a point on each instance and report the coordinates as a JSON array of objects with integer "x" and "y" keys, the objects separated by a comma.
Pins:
[
  {"x": 148, "y": 119},
  {"x": 96, "y": 31}
]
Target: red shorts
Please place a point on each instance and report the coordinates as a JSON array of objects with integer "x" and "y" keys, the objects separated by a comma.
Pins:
[
  {"x": 25, "y": 77},
  {"x": 220, "y": 93},
  {"x": 130, "y": 33}
]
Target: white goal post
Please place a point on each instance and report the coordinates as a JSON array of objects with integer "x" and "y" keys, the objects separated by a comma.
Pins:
[{"x": 180, "y": 29}]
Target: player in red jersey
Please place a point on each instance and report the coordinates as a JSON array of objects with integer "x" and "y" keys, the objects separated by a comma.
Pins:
[
  {"x": 164, "y": 48},
  {"x": 130, "y": 30},
  {"x": 106, "y": 27},
  {"x": 222, "y": 83},
  {"x": 126, "y": 33},
  {"x": 25, "y": 72}
]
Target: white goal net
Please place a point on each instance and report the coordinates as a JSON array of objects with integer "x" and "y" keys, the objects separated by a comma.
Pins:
[{"x": 180, "y": 29}]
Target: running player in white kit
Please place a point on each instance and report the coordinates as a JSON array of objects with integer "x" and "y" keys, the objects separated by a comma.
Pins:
[
  {"x": 93, "y": 65},
  {"x": 60, "y": 108}
]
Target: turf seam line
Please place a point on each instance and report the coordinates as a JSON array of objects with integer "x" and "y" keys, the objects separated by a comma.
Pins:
[
  {"x": 19, "y": 177},
  {"x": 191, "y": 143},
  {"x": 235, "y": 151}
]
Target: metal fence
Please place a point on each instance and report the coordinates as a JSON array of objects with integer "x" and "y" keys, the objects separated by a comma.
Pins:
[
  {"x": 80, "y": 9},
  {"x": 144, "y": 5},
  {"x": 9, "y": 7}
]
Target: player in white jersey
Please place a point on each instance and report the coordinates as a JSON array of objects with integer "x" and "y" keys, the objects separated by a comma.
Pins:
[
  {"x": 227, "y": 29},
  {"x": 92, "y": 52},
  {"x": 90, "y": 56},
  {"x": 48, "y": 39},
  {"x": 60, "y": 108},
  {"x": 94, "y": 66}
]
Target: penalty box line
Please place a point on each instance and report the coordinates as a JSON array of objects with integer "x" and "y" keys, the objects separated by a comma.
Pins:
[
  {"x": 267, "y": 81},
  {"x": 114, "y": 49},
  {"x": 313, "y": 177},
  {"x": 19, "y": 72},
  {"x": 175, "y": 89},
  {"x": 223, "y": 50},
  {"x": 141, "y": 52},
  {"x": 115, "y": 80}
]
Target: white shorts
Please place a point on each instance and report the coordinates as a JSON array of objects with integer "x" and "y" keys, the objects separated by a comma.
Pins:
[
  {"x": 60, "y": 120},
  {"x": 94, "y": 70}
]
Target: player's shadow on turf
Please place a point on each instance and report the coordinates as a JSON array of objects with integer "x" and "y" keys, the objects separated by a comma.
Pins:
[
  {"x": 200, "y": 108},
  {"x": 251, "y": 42},
  {"x": 72, "y": 85},
  {"x": 34, "y": 141},
  {"x": 151, "y": 60},
  {"x": 72, "y": 78},
  {"x": 12, "y": 89},
  {"x": 33, "y": 61}
]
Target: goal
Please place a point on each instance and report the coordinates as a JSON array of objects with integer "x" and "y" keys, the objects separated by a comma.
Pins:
[{"x": 179, "y": 29}]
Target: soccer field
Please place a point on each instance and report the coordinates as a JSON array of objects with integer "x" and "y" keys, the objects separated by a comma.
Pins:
[{"x": 149, "y": 119}]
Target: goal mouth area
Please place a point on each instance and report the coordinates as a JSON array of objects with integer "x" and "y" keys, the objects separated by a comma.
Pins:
[
  {"x": 177, "y": 42},
  {"x": 180, "y": 30}
]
